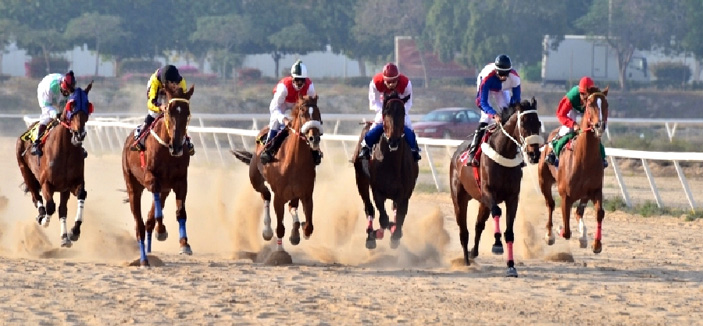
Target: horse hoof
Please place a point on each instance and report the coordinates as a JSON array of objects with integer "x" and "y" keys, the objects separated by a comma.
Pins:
[
  {"x": 497, "y": 249},
  {"x": 583, "y": 243},
  {"x": 512, "y": 272},
  {"x": 370, "y": 244},
  {"x": 65, "y": 242},
  {"x": 144, "y": 264},
  {"x": 294, "y": 240},
  {"x": 395, "y": 243},
  {"x": 597, "y": 248},
  {"x": 267, "y": 234},
  {"x": 162, "y": 236},
  {"x": 185, "y": 250},
  {"x": 550, "y": 240}
]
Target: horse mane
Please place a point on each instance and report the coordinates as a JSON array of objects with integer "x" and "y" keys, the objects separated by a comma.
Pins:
[{"x": 507, "y": 112}]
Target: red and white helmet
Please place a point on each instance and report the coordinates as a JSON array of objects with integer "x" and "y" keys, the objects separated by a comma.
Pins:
[
  {"x": 390, "y": 72},
  {"x": 68, "y": 82}
]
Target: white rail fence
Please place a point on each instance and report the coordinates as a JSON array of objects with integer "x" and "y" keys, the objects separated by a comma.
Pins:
[{"x": 106, "y": 134}]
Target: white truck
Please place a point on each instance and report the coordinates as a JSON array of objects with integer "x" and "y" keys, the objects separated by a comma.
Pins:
[{"x": 580, "y": 55}]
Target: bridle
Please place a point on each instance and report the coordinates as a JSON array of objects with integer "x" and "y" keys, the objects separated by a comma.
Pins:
[
  {"x": 524, "y": 141},
  {"x": 167, "y": 118},
  {"x": 388, "y": 103},
  {"x": 597, "y": 128},
  {"x": 310, "y": 124}
]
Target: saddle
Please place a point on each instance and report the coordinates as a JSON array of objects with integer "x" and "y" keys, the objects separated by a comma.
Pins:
[
  {"x": 32, "y": 132},
  {"x": 147, "y": 131}
]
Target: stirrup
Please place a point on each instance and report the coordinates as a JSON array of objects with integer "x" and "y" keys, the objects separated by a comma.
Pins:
[
  {"x": 266, "y": 157},
  {"x": 365, "y": 153},
  {"x": 137, "y": 147}
]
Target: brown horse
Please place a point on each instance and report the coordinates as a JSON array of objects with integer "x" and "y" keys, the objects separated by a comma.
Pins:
[
  {"x": 500, "y": 174},
  {"x": 61, "y": 167},
  {"x": 580, "y": 173},
  {"x": 160, "y": 168},
  {"x": 391, "y": 173},
  {"x": 291, "y": 174}
]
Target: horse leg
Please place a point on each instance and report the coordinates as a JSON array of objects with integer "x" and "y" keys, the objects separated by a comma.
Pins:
[
  {"x": 134, "y": 190},
  {"x": 32, "y": 186},
  {"x": 383, "y": 219},
  {"x": 511, "y": 208},
  {"x": 308, "y": 226},
  {"x": 362, "y": 185},
  {"x": 481, "y": 218},
  {"x": 157, "y": 217},
  {"x": 63, "y": 212},
  {"x": 50, "y": 205},
  {"x": 279, "y": 209},
  {"x": 181, "y": 216},
  {"x": 583, "y": 238},
  {"x": 258, "y": 182},
  {"x": 295, "y": 233},
  {"x": 600, "y": 215},
  {"x": 546, "y": 180},
  {"x": 566, "y": 204},
  {"x": 76, "y": 229},
  {"x": 461, "y": 198},
  {"x": 401, "y": 210},
  {"x": 497, "y": 248}
]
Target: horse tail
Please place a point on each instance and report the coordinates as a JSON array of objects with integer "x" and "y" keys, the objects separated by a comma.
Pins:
[{"x": 243, "y": 156}]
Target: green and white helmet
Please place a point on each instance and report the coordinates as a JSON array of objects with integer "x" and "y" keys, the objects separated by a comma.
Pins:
[{"x": 298, "y": 70}]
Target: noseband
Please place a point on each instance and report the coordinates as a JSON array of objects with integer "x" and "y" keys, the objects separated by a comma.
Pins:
[
  {"x": 524, "y": 141},
  {"x": 598, "y": 103},
  {"x": 166, "y": 121},
  {"x": 310, "y": 124}
]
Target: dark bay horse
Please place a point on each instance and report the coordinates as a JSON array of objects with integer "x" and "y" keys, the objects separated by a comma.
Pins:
[
  {"x": 391, "y": 173},
  {"x": 500, "y": 171},
  {"x": 291, "y": 175},
  {"x": 160, "y": 168},
  {"x": 580, "y": 173},
  {"x": 61, "y": 168}
]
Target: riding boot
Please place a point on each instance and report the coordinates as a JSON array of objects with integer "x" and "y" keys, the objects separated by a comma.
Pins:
[
  {"x": 274, "y": 140},
  {"x": 138, "y": 145},
  {"x": 412, "y": 141},
  {"x": 317, "y": 157},
  {"x": 36, "y": 145},
  {"x": 371, "y": 138},
  {"x": 478, "y": 135},
  {"x": 551, "y": 158}
]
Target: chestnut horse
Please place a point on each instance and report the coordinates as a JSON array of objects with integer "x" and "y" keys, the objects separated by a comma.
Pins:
[
  {"x": 291, "y": 175},
  {"x": 580, "y": 173},
  {"x": 160, "y": 168},
  {"x": 500, "y": 171},
  {"x": 391, "y": 173},
  {"x": 61, "y": 167}
]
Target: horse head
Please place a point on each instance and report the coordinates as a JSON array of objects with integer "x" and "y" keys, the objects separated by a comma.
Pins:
[
  {"x": 307, "y": 120},
  {"x": 595, "y": 115},
  {"x": 528, "y": 129},
  {"x": 394, "y": 119},
  {"x": 176, "y": 117},
  {"x": 76, "y": 113}
]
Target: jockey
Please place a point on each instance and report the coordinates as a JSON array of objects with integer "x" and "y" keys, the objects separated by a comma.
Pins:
[
  {"x": 570, "y": 109},
  {"x": 383, "y": 83},
  {"x": 285, "y": 95},
  {"x": 53, "y": 90},
  {"x": 154, "y": 104},
  {"x": 501, "y": 83}
]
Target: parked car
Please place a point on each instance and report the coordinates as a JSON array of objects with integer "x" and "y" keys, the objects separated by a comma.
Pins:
[{"x": 448, "y": 123}]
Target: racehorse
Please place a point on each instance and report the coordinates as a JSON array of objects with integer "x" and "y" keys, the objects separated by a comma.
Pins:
[
  {"x": 497, "y": 179},
  {"x": 580, "y": 173},
  {"x": 291, "y": 175},
  {"x": 61, "y": 168},
  {"x": 160, "y": 168},
  {"x": 391, "y": 173}
]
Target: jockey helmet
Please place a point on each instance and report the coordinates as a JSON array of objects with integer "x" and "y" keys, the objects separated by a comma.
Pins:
[
  {"x": 390, "y": 72},
  {"x": 503, "y": 65},
  {"x": 68, "y": 82},
  {"x": 585, "y": 83},
  {"x": 170, "y": 73},
  {"x": 298, "y": 70}
]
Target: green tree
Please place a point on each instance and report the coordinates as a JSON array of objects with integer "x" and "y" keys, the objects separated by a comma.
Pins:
[
  {"x": 223, "y": 35},
  {"x": 96, "y": 29},
  {"x": 634, "y": 24},
  {"x": 293, "y": 39}
]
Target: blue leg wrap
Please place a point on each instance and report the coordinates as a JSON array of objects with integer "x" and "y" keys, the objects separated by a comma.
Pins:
[
  {"x": 157, "y": 206},
  {"x": 142, "y": 253},
  {"x": 148, "y": 242},
  {"x": 182, "y": 227}
]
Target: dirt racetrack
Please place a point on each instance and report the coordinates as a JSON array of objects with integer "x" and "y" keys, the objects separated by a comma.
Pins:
[{"x": 647, "y": 273}]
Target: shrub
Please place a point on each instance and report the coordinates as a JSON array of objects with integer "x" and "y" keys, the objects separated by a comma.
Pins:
[
  {"x": 249, "y": 74},
  {"x": 36, "y": 68},
  {"x": 532, "y": 72},
  {"x": 670, "y": 74}
]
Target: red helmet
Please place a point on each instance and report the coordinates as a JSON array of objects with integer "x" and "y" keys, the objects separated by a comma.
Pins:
[
  {"x": 68, "y": 82},
  {"x": 390, "y": 72},
  {"x": 585, "y": 84}
]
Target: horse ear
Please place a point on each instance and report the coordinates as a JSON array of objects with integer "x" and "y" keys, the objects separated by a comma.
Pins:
[
  {"x": 605, "y": 91},
  {"x": 190, "y": 91},
  {"x": 533, "y": 102},
  {"x": 89, "y": 87}
]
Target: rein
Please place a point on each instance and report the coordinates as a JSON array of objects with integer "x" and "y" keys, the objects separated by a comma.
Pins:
[
  {"x": 600, "y": 111},
  {"x": 166, "y": 120},
  {"x": 529, "y": 140}
]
